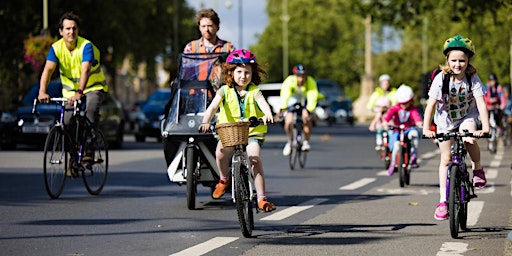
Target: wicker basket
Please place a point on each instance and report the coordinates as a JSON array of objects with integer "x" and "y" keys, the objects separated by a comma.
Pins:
[{"x": 232, "y": 134}]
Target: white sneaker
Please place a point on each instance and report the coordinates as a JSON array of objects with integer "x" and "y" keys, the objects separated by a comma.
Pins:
[
  {"x": 287, "y": 149},
  {"x": 305, "y": 146}
]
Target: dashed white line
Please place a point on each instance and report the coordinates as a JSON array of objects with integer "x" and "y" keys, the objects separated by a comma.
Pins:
[
  {"x": 205, "y": 247},
  {"x": 474, "y": 210},
  {"x": 358, "y": 184},
  {"x": 452, "y": 248},
  {"x": 283, "y": 214}
]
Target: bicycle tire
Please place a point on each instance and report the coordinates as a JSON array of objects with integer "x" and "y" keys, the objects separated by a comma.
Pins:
[
  {"x": 493, "y": 141},
  {"x": 244, "y": 203},
  {"x": 55, "y": 161},
  {"x": 454, "y": 200},
  {"x": 191, "y": 157},
  {"x": 400, "y": 166},
  {"x": 407, "y": 168},
  {"x": 95, "y": 173},
  {"x": 302, "y": 158},
  {"x": 385, "y": 155},
  {"x": 294, "y": 149}
]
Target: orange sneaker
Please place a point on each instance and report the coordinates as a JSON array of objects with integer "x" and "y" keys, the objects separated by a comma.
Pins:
[
  {"x": 220, "y": 189},
  {"x": 265, "y": 206}
]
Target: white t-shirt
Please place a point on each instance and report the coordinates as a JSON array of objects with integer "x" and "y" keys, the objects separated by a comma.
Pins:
[{"x": 452, "y": 109}]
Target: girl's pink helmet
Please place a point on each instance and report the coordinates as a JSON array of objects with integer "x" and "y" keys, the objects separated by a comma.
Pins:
[{"x": 241, "y": 56}]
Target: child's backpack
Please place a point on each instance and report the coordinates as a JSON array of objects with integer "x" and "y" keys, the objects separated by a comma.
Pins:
[{"x": 446, "y": 81}]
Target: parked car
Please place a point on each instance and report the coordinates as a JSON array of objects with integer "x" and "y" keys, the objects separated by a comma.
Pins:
[
  {"x": 32, "y": 130},
  {"x": 7, "y": 130},
  {"x": 151, "y": 115},
  {"x": 334, "y": 106}
]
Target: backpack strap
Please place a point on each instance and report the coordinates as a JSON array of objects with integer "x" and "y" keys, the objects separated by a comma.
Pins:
[{"x": 446, "y": 83}]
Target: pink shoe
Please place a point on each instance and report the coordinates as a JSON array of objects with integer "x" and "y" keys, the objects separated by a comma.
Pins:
[
  {"x": 441, "y": 212},
  {"x": 391, "y": 169},
  {"x": 479, "y": 178}
]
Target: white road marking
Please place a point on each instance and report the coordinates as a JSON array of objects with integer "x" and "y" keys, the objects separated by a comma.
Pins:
[
  {"x": 491, "y": 174},
  {"x": 474, "y": 210},
  {"x": 206, "y": 247},
  {"x": 382, "y": 173},
  {"x": 495, "y": 163},
  {"x": 452, "y": 248},
  {"x": 283, "y": 214},
  {"x": 400, "y": 191},
  {"x": 488, "y": 189},
  {"x": 358, "y": 184}
]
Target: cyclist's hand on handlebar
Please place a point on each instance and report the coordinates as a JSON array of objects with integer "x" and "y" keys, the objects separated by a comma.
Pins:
[
  {"x": 480, "y": 133},
  {"x": 43, "y": 97},
  {"x": 74, "y": 98},
  {"x": 429, "y": 134},
  {"x": 267, "y": 119},
  {"x": 204, "y": 127}
]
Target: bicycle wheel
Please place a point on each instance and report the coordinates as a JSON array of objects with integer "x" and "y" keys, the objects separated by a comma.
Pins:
[
  {"x": 407, "y": 168},
  {"x": 243, "y": 200},
  {"x": 95, "y": 172},
  {"x": 493, "y": 141},
  {"x": 302, "y": 158},
  {"x": 191, "y": 159},
  {"x": 294, "y": 149},
  {"x": 55, "y": 163},
  {"x": 454, "y": 201},
  {"x": 400, "y": 166},
  {"x": 385, "y": 155}
]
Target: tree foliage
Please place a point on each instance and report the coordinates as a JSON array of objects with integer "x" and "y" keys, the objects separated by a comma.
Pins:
[
  {"x": 328, "y": 37},
  {"x": 141, "y": 29}
]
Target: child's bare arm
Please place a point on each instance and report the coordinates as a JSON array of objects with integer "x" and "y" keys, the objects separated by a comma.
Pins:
[
  {"x": 205, "y": 124},
  {"x": 265, "y": 107}
]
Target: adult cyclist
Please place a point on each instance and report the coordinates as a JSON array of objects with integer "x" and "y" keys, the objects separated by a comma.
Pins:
[{"x": 301, "y": 88}]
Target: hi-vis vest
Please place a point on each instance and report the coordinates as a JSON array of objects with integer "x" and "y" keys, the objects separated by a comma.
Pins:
[
  {"x": 231, "y": 110},
  {"x": 70, "y": 67},
  {"x": 197, "y": 47}
]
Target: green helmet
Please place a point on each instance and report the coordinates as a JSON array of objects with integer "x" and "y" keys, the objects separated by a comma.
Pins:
[{"x": 459, "y": 42}]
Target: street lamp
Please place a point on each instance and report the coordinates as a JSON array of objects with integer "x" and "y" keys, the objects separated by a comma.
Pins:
[{"x": 285, "y": 18}]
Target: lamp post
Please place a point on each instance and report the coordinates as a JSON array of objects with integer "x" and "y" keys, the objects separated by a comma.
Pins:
[{"x": 285, "y": 18}]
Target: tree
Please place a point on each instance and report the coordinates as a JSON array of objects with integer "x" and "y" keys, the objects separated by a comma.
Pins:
[{"x": 142, "y": 29}]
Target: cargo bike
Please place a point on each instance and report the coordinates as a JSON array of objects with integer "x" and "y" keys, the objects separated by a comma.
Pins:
[{"x": 189, "y": 154}]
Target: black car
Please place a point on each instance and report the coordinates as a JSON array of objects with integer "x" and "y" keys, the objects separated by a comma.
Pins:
[
  {"x": 32, "y": 130},
  {"x": 151, "y": 115},
  {"x": 7, "y": 129}
]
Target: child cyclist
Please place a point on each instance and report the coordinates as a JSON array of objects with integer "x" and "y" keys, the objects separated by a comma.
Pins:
[
  {"x": 381, "y": 107},
  {"x": 404, "y": 112},
  {"x": 456, "y": 109},
  {"x": 239, "y": 99}
]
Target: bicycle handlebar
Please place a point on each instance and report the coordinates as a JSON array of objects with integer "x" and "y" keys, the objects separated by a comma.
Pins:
[
  {"x": 62, "y": 100},
  {"x": 447, "y": 136}
]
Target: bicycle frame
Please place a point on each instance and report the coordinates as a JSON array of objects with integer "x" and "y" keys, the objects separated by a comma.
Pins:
[{"x": 402, "y": 157}]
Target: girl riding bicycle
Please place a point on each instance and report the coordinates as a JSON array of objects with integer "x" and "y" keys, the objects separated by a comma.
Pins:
[
  {"x": 381, "y": 108},
  {"x": 240, "y": 99},
  {"x": 456, "y": 109},
  {"x": 404, "y": 112}
]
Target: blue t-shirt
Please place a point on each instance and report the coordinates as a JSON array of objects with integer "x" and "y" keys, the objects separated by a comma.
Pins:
[{"x": 88, "y": 54}]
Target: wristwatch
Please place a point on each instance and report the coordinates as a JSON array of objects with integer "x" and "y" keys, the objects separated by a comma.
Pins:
[{"x": 79, "y": 91}]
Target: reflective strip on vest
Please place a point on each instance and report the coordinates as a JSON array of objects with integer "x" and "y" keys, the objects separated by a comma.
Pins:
[
  {"x": 70, "y": 67},
  {"x": 230, "y": 109},
  {"x": 197, "y": 47}
]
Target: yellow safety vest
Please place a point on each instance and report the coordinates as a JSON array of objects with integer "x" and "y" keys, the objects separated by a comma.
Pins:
[
  {"x": 231, "y": 109},
  {"x": 70, "y": 67}
]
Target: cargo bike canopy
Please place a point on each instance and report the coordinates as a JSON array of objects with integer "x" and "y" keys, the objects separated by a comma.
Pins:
[{"x": 199, "y": 76}]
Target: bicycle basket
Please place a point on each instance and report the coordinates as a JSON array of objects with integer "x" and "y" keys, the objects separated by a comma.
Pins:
[{"x": 233, "y": 134}]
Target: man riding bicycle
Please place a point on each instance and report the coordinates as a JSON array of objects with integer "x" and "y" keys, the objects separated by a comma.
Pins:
[
  {"x": 298, "y": 88},
  {"x": 80, "y": 72}
]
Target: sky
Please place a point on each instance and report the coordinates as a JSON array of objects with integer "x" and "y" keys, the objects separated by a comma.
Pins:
[{"x": 254, "y": 19}]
